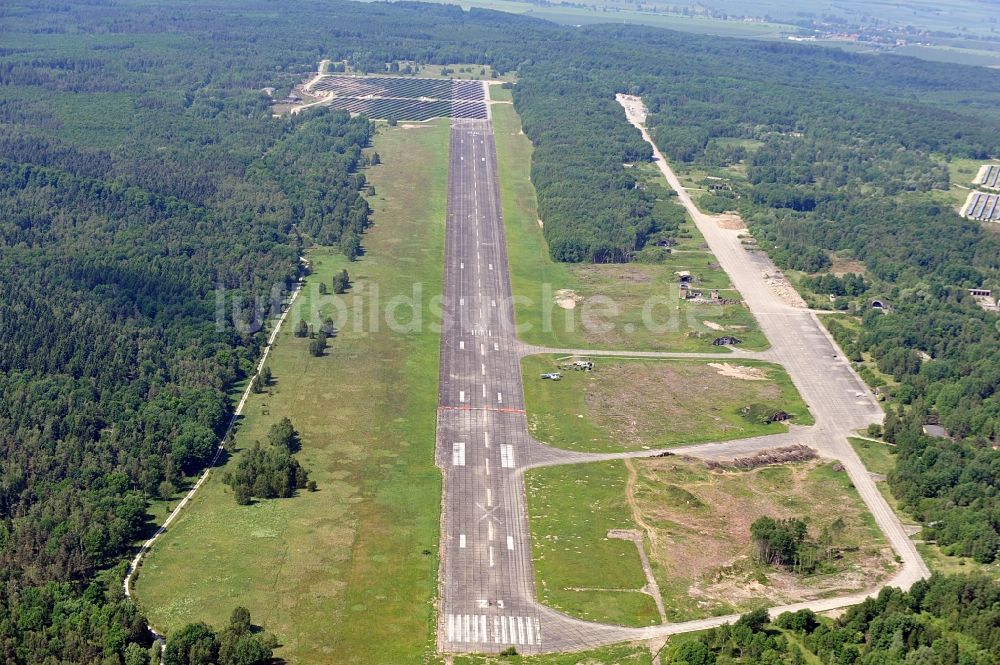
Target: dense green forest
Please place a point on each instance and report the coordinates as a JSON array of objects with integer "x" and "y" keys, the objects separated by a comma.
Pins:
[
  {"x": 941, "y": 621},
  {"x": 140, "y": 168}
]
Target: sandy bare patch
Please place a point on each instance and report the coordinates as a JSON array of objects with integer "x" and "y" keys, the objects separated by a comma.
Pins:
[
  {"x": 703, "y": 519},
  {"x": 781, "y": 286},
  {"x": 541, "y": 224},
  {"x": 567, "y": 299},
  {"x": 740, "y": 372},
  {"x": 712, "y": 325},
  {"x": 730, "y": 222}
]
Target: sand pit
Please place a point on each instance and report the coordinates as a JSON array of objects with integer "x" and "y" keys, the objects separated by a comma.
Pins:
[
  {"x": 740, "y": 372},
  {"x": 567, "y": 299},
  {"x": 730, "y": 222}
]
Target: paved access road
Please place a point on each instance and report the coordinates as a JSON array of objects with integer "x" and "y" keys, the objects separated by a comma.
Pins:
[{"x": 487, "y": 593}]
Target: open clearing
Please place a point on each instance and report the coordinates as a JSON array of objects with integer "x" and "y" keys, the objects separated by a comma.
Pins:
[
  {"x": 611, "y": 299},
  {"x": 627, "y": 404},
  {"x": 697, "y": 525},
  {"x": 346, "y": 574}
]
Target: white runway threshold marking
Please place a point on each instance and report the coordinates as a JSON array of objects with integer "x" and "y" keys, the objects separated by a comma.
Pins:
[
  {"x": 506, "y": 456},
  {"x": 461, "y": 395},
  {"x": 510, "y": 542},
  {"x": 458, "y": 454},
  {"x": 475, "y": 628},
  {"x": 461, "y": 540},
  {"x": 500, "y": 398}
]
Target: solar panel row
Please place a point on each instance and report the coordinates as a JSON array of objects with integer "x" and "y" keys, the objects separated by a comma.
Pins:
[
  {"x": 411, "y": 109},
  {"x": 983, "y": 207},
  {"x": 386, "y": 86},
  {"x": 990, "y": 177}
]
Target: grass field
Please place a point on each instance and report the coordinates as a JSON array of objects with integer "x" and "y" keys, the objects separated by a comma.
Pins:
[
  {"x": 697, "y": 535},
  {"x": 877, "y": 457},
  {"x": 578, "y": 569},
  {"x": 346, "y": 574},
  {"x": 468, "y": 71},
  {"x": 627, "y": 404},
  {"x": 630, "y": 306},
  {"x": 500, "y": 94},
  {"x": 623, "y": 654}
]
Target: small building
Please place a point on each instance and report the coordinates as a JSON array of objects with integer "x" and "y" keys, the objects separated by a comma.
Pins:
[
  {"x": 726, "y": 340},
  {"x": 684, "y": 276},
  {"x": 933, "y": 429},
  {"x": 980, "y": 293}
]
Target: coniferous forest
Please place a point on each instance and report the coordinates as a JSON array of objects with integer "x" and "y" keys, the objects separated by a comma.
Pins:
[{"x": 141, "y": 170}]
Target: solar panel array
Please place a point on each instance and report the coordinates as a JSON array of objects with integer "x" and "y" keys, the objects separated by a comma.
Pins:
[
  {"x": 989, "y": 176},
  {"x": 411, "y": 109},
  {"x": 414, "y": 88},
  {"x": 405, "y": 98},
  {"x": 983, "y": 207}
]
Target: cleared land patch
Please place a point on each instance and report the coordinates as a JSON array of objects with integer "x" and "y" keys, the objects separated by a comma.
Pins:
[
  {"x": 697, "y": 526},
  {"x": 346, "y": 574},
  {"x": 623, "y": 306},
  {"x": 633, "y": 404}
]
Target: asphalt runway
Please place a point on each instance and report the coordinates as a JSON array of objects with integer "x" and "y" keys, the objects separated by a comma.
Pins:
[{"x": 487, "y": 584}]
